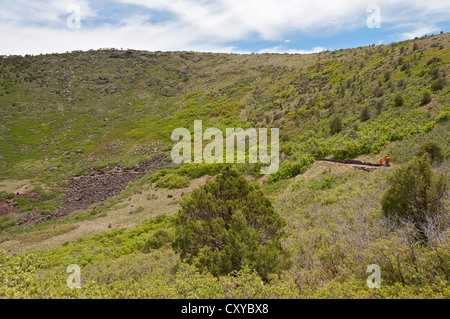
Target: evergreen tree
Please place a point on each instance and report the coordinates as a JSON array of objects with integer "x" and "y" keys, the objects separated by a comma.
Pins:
[
  {"x": 434, "y": 150},
  {"x": 228, "y": 224},
  {"x": 426, "y": 98},
  {"x": 365, "y": 114},
  {"x": 398, "y": 101},
  {"x": 416, "y": 193},
  {"x": 336, "y": 125}
]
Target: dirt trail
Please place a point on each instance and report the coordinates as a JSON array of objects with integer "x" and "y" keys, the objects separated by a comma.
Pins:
[
  {"x": 150, "y": 203},
  {"x": 21, "y": 190},
  {"x": 353, "y": 163}
]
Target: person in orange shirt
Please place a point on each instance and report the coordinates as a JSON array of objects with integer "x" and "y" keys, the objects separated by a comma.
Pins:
[
  {"x": 388, "y": 159},
  {"x": 381, "y": 162}
]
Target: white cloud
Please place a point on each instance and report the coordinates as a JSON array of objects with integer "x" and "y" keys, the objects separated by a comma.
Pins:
[
  {"x": 49, "y": 12},
  {"x": 270, "y": 19},
  {"x": 30, "y": 40},
  {"x": 28, "y": 26},
  {"x": 281, "y": 49},
  {"x": 418, "y": 30}
]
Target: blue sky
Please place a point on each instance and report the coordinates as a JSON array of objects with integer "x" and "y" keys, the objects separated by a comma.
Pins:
[{"x": 239, "y": 26}]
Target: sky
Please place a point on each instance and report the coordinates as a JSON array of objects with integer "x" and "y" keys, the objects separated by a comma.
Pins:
[{"x": 237, "y": 26}]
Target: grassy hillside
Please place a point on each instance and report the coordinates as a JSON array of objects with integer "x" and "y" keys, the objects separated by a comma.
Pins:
[{"x": 103, "y": 112}]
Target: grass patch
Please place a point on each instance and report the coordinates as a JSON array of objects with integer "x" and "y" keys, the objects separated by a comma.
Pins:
[
  {"x": 274, "y": 187},
  {"x": 79, "y": 216},
  {"x": 41, "y": 235}
]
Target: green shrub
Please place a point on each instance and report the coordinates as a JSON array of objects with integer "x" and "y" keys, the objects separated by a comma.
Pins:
[
  {"x": 4, "y": 195},
  {"x": 172, "y": 181},
  {"x": 195, "y": 170},
  {"x": 351, "y": 149},
  {"x": 159, "y": 174},
  {"x": 198, "y": 171},
  {"x": 291, "y": 169},
  {"x": 158, "y": 239},
  {"x": 398, "y": 101},
  {"x": 416, "y": 193},
  {"x": 298, "y": 184},
  {"x": 434, "y": 150},
  {"x": 426, "y": 98},
  {"x": 336, "y": 125},
  {"x": 433, "y": 60},
  {"x": 379, "y": 106},
  {"x": 442, "y": 117},
  {"x": 378, "y": 91},
  {"x": 228, "y": 224},
  {"x": 324, "y": 183},
  {"x": 5, "y": 223},
  {"x": 365, "y": 114},
  {"x": 438, "y": 84}
]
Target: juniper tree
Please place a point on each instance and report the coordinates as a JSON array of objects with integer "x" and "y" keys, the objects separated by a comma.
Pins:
[
  {"x": 398, "y": 101},
  {"x": 365, "y": 114},
  {"x": 416, "y": 194},
  {"x": 336, "y": 125},
  {"x": 434, "y": 150},
  {"x": 426, "y": 98},
  {"x": 227, "y": 224}
]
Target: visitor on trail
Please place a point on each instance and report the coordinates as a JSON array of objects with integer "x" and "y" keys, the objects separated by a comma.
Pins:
[
  {"x": 381, "y": 162},
  {"x": 388, "y": 159}
]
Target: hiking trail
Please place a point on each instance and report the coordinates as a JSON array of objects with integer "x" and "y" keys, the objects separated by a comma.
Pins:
[{"x": 353, "y": 163}]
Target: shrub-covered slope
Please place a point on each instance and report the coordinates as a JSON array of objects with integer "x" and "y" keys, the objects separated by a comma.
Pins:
[
  {"x": 87, "y": 113},
  {"x": 119, "y": 107}
]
